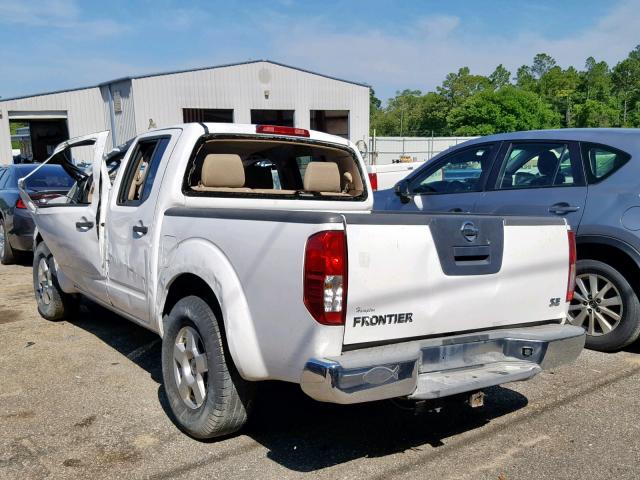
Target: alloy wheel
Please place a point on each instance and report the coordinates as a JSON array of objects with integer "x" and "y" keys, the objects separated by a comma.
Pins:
[
  {"x": 190, "y": 367},
  {"x": 596, "y": 306},
  {"x": 44, "y": 287}
]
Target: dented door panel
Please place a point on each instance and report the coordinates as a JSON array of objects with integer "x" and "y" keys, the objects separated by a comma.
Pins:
[{"x": 75, "y": 233}]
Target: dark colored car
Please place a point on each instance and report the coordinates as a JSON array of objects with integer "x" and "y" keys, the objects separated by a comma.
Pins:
[
  {"x": 591, "y": 177},
  {"x": 16, "y": 225}
]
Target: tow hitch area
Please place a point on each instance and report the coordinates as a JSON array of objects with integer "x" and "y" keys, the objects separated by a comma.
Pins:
[{"x": 476, "y": 399}]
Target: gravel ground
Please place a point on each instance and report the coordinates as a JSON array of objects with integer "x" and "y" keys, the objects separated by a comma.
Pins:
[{"x": 85, "y": 399}]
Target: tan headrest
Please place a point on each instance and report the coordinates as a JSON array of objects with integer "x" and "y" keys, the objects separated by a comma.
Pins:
[
  {"x": 222, "y": 170},
  {"x": 322, "y": 177}
]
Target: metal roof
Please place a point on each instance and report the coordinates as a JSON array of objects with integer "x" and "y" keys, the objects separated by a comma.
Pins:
[{"x": 173, "y": 72}]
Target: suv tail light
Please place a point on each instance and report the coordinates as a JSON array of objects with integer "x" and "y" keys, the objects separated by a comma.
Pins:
[
  {"x": 277, "y": 130},
  {"x": 20, "y": 204},
  {"x": 325, "y": 277},
  {"x": 373, "y": 179},
  {"x": 571, "y": 281}
]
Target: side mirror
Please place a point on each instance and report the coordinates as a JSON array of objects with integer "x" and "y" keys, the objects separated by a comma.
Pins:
[{"x": 403, "y": 191}]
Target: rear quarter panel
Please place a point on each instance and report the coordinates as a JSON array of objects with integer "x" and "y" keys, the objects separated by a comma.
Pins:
[{"x": 255, "y": 268}]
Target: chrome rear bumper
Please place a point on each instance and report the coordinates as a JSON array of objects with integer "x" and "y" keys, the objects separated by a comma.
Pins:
[{"x": 440, "y": 367}]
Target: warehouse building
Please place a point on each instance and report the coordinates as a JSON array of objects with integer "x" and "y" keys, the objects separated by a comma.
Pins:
[{"x": 260, "y": 91}]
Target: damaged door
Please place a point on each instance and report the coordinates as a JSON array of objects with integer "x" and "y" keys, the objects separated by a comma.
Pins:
[
  {"x": 132, "y": 223},
  {"x": 74, "y": 230}
]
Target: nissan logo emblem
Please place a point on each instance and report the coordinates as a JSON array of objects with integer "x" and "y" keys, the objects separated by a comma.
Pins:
[{"x": 469, "y": 231}]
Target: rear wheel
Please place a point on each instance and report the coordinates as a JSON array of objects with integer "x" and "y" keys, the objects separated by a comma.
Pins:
[
  {"x": 7, "y": 256},
  {"x": 605, "y": 305},
  {"x": 207, "y": 396},
  {"x": 53, "y": 303}
]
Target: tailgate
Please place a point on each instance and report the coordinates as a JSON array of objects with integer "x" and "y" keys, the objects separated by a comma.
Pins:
[{"x": 413, "y": 275}]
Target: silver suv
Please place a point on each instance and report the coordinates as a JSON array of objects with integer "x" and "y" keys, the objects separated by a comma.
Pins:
[{"x": 588, "y": 176}]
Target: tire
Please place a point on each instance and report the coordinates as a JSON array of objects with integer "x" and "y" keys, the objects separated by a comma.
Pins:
[
  {"x": 7, "y": 256},
  {"x": 53, "y": 303},
  {"x": 606, "y": 305},
  {"x": 214, "y": 400}
]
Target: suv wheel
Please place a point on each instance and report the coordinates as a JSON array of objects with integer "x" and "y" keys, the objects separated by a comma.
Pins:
[
  {"x": 207, "y": 396},
  {"x": 605, "y": 305}
]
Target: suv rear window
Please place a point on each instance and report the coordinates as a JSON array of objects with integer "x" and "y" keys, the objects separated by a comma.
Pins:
[
  {"x": 274, "y": 169},
  {"x": 602, "y": 161}
]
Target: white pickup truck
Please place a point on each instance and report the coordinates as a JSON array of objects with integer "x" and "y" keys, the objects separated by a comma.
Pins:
[
  {"x": 252, "y": 251},
  {"x": 386, "y": 176}
]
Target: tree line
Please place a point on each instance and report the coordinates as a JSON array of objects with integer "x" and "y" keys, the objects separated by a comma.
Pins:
[{"x": 540, "y": 95}]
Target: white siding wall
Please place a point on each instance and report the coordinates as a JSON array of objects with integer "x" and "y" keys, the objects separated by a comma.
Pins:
[
  {"x": 125, "y": 121},
  {"x": 85, "y": 113},
  {"x": 241, "y": 88}
]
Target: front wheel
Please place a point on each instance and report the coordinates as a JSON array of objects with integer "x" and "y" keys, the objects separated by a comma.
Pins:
[
  {"x": 207, "y": 396},
  {"x": 605, "y": 305},
  {"x": 53, "y": 303}
]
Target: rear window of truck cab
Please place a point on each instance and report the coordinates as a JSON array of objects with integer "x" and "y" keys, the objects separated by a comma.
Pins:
[{"x": 266, "y": 168}]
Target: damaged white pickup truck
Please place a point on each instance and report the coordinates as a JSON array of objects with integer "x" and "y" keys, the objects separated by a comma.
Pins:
[{"x": 252, "y": 251}]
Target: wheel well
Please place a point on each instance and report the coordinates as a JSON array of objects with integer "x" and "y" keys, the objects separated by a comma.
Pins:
[
  {"x": 189, "y": 284},
  {"x": 613, "y": 256}
]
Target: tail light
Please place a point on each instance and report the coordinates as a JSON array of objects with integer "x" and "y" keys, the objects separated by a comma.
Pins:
[
  {"x": 325, "y": 277},
  {"x": 571, "y": 281},
  {"x": 277, "y": 130},
  {"x": 373, "y": 179},
  {"x": 39, "y": 199}
]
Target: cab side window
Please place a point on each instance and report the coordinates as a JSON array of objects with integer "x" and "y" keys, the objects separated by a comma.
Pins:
[
  {"x": 462, "y": 171},
  {"x": 141, "y": 171},
  {"x": 537, "y": 165},
  {"x": 602, "y": 161}
]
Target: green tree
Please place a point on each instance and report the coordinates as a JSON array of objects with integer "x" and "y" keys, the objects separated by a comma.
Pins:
[
  {"x": 457, "y": 87},
  {"x": 401, "y": 116},
  {"x": 374, "y": 102},
  {"x": 500, "y": 77},
  {"x": 542, "y": 63},
  {"x": 626, "y": 81},
  {"x": 595, "y": 113},
  {"x": 542, "y": 95},
  {"x": 558, "y": 87},
  {"x": 525, "y": 78},
  {"x": 433, "y": 110},
  {"x": 505, "y": 110},
  {"x": 596, "y": 80}
]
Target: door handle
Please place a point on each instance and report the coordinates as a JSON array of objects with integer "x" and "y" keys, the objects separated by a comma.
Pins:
[
  {"x": 84, "y": 225},
  {"x": 562, "y": 208},
  {"x": 456, "y": 210},
  {"x": 140, "y": 230}
]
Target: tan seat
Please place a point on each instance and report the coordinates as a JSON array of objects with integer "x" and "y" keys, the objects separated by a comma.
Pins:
[
  {"x": 222, "y": 172},
  {"x": 323, "y": 178},
  {"x": 138, "y": 181}
]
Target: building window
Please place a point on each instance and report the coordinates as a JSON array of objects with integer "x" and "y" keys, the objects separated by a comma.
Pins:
[
  {"x": 212, "y": 115},
  {"x": 335, "y": 122},
  {"x": 283, "y": 118}
]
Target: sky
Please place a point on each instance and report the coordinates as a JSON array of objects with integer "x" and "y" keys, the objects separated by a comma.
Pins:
[{"x": 391, "y": 45}]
